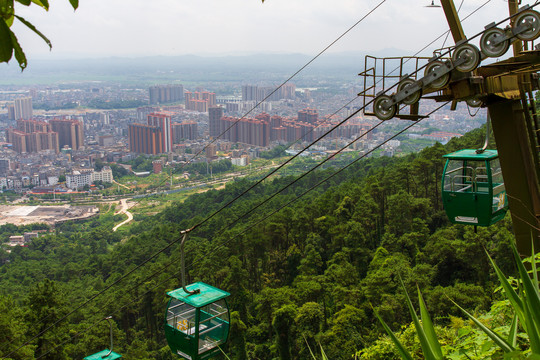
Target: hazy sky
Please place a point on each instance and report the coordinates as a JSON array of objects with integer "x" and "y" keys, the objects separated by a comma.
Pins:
[{"x": 101, "y": 28}]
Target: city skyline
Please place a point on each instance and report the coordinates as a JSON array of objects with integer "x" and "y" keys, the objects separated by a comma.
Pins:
[{"x": 109, "y": 28}]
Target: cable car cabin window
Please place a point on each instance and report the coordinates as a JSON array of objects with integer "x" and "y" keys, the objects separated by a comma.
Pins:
[
  {"x": 181, "y": 316},
  {"x": 499, "y": 191},
  {"x": 458, "y": 177},
  {"x": 481, "y": 177},
  {"x": 213, "y": 326}
]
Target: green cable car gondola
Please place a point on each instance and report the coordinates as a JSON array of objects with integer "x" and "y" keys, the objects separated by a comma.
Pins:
[
  {"x": 197, "y": 317},
  {"x": 473, "y": 190},
  {"x": 197, "y": 321},
  {"x": 106, "y": 354}
]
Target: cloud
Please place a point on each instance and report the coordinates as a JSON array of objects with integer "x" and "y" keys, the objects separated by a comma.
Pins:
[{"x": 175, "y": 27}]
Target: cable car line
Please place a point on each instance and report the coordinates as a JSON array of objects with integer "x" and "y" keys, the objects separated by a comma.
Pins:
[
  {"x": 254, "y": 224},
  {"x": 448, "y": 33},
  {"x": 93, "y": 297},
  {"x": 285, "y": 163},
  {"x": 391, "y": 72},
  {"x": 300, "y": 177},
  {"x": 277, "y": 88},
  {"x": 340, "y": 123},
  {"x": 175, "y": 241},
  {"x": 526, "y": 222},
  {"x": 271, "y": 173},
  {"x": 193, "y": 228},
  {"x": 286, "y": 81},
  {"x": 159, "y": 271},
  {"x": 523, "y": 205},
  {"x": 327, "y": 178}
]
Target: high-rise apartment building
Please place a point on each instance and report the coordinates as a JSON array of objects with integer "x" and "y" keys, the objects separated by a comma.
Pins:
[
  {"x": 23, "y": 108},
  {"x": 161, "y": 94},
  {"x": 44, "y": 141},
  {"x": 145, "y": 139},
  {"x": 268, "y": 93},
  {"x": 187, "y": 130},
  {"x": 163, "y": 121},
  {"x": 24, "y": 142},
  {"x": 249, "y": 92},
  {"x": 288, "y": 91},
  {"x": 70, "y": 132},
  {"x": 199, "y": 101},
  {"x": 248, "y": 130},
  {"x": 30, "y": 126},
  {"x": 215, "y": 113},
  {"x": 211, "y": 151},
  {"x": 143, "y": 111},
  {"x": 154, "y": 138},
  {"x": 308, "y": 115},
  {"x": 17, "y": 139}
]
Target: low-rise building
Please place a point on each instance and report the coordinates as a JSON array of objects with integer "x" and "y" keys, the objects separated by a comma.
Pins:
[
  {"x": 79, "y": 178},
  {"x": 16, "y": 240}
]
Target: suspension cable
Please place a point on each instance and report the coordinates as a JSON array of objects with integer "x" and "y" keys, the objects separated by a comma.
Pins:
[{"x": 264, "y": 218}]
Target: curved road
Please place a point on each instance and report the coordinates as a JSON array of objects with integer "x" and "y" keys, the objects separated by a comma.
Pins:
[{"x": 124, "y": 210}]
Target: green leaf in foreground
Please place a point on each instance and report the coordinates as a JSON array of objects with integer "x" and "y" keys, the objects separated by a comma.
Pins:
[
  {"x": 515, "y": 300},
  {"x": 430, "y": 347},
  {"x": 33, "y": 28},
  {"x": 502, "y": 343},
  {"x": 43, "y": 3},
  {"x": 428, "y": 327},
  {"x": 401, "y": 349},
  {"x": 25, "y": 2},
  {"x": 19, "y": 53},
  {"x": 531, "y": 303},
  {"x": 512, "y": 335},
  {"x": 6, "y": 48}
]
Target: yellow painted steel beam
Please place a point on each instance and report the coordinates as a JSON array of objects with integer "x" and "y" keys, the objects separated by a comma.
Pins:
[
  {"x": 453, "y": 20},
  {"x": 518, "y": 170}
]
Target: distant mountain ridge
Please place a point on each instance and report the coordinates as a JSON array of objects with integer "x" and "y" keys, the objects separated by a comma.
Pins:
[{"x": 78, "y": 69}]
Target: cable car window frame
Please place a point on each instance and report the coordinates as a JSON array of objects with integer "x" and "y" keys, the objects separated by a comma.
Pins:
[
  {"x": 175, "y": 316},
  {"x": 204, "y": 343}
]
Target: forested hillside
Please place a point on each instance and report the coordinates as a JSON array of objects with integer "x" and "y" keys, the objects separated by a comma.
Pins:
[{"x": 312, "y": 273}]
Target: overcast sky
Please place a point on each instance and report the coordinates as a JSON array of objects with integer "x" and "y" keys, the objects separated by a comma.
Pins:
[{"x": 101, "y": 28}]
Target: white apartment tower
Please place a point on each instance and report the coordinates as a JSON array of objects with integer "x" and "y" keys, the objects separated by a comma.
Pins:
[{"x": 23, "y": 108}]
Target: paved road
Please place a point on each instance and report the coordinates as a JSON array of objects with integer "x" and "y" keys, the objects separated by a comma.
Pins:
[{"x": 124, "y": 210}]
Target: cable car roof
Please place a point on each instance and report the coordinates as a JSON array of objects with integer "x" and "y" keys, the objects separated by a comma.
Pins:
[
  {"x": 471, "y": 154},
  {"x": 101, "y": 356},
  {"x": 207, "y": 295}
]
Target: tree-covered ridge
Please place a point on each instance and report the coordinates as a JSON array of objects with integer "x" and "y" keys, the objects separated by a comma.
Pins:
[{"x": 312, "y": 272}]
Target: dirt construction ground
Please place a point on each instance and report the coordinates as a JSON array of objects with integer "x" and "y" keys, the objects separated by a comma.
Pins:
[{"x": 23, "y": 215}]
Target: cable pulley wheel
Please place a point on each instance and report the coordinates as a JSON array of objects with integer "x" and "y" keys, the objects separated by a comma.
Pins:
[
  {"x": 470, "y": 54},
  {"x": 532, "y": 18},
  {"x": 414, "y": 96},
  {"x": 429, "y": 73},
  {"x": 381, "y": 108},
  {"x": 488, "y": 43},
  {"x": 474, "y": 102}
]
